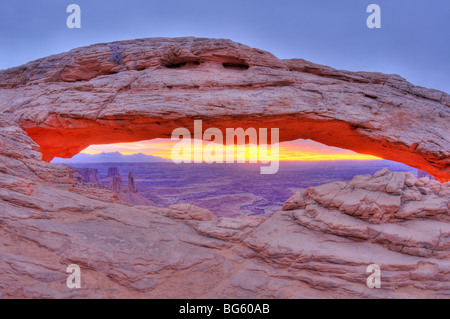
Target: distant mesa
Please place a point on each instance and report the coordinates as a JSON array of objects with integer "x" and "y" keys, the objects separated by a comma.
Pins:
[
  {"x": 85, "y": 177},
  {"x": 111, "y": 174},
  {"x": 110, "y": 157},
  {"x": 113, "y": 171},
  {"x": 130, "y": 193},
  {"x": 89, "y": 178},
  {"x": 90, "y": 175}
]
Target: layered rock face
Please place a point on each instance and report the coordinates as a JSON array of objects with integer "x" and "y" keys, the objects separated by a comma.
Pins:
[
  {"x": 85, "y": 177},
  {"x": 394, "y": 210},
  {"x": 90, "y": 96},
  {"x": 116, "y": 185},
  {"x": 131, "y": 188},
  {"x": 112, "y": 171},
  {"x": 319, "y": 246},
  {"x": 90, "y": 175}
]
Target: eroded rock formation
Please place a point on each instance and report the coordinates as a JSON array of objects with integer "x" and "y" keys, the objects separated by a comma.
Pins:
[
  {"x": 129, "y": 193},
  {"x": 320, "y": 247},
  {"x": 116, "y": 185},
  {"x": 131, "y": 188},
  {"x": 112, "y": 171},
  {"x": 395, "y": 210},
  {"x": 87, "y": 96},
  {"x": 90, "y": 175},
  {"x": 316, "y": 249}
]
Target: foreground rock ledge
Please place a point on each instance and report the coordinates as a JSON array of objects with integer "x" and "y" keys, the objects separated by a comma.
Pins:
[
  {"x": 142, "y": 89},
  {"x": 320, "y": 246}
]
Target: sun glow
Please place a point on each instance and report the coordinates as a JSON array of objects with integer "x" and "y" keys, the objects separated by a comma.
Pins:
[{"x": 299, "y": 150}]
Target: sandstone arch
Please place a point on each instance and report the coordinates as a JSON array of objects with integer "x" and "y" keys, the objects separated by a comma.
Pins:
[{"x": 88, "y": 96}]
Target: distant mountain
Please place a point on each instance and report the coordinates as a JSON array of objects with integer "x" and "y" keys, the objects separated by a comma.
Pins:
[{"x": 110, "y": 157}]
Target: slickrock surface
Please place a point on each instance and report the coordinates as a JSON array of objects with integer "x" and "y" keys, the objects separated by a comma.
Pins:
[
  {"x": 320, "y": 246},
  {"x": 316, "y": 249},
  {"x": 131, "y": 187},
  {"x": 142, "y": 89},
  {"x": 85, "y": 177},
  {"x": 394, "y": 210}
]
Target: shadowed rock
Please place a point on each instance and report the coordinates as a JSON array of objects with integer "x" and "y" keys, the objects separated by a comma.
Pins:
[
  {"x": 131, "y": 188},
  {"x": 130, "y": 193},
  {"x": 393, "y": 209},
  {"x": 143, "y": 252},
  {"x": 116, "y": 184},
  {"x": 90, "y": 175},
  {"x": 113, "y": 171}
]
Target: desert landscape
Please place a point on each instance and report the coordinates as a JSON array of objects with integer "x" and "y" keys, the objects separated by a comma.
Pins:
[
  {"x": 214, "y": 231},
  {"x": 227, "y": 190}
]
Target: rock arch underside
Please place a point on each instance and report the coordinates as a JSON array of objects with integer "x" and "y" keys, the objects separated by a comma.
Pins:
[{"x": 319, "y": 245}]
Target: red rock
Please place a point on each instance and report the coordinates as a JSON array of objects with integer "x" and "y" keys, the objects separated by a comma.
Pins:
[
  {"x": 320, "y": 248},
  {"x": 82, "y": 97},
  {"x": 131, "y": 188},
  {"x": 90, "y": 175},
  {"x": 130, "y": 193},
  {"x": 382, "y": 198},
  {"x": 116, "y": 185}
]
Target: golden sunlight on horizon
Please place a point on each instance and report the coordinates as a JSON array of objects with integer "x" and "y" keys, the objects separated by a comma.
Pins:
[{"x": 299, "y": 150}]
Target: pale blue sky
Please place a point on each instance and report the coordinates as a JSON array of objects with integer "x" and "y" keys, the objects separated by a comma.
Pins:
[{"x": 413, "y": 41}]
